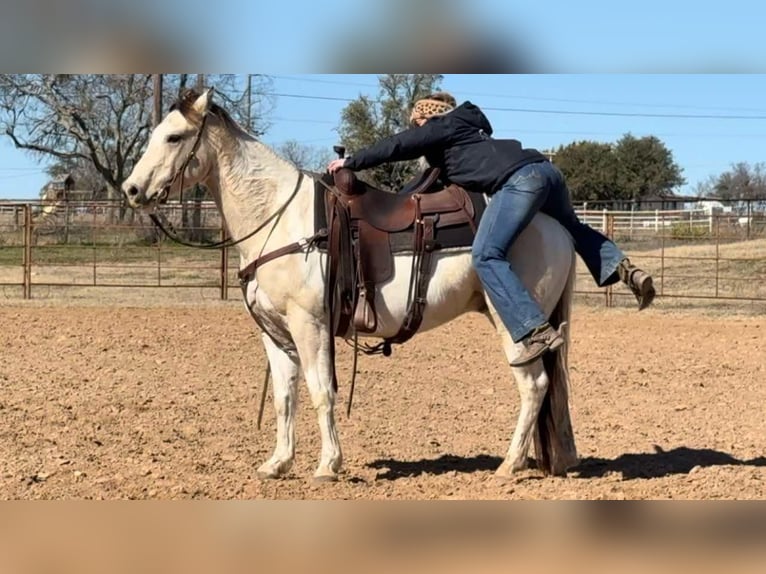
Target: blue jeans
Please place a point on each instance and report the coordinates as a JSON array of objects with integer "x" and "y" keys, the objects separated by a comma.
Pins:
[{"x": 535, "y": 187}]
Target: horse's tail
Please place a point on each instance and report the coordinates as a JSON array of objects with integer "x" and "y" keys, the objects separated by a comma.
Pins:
[{"x": 554, "y": 439}]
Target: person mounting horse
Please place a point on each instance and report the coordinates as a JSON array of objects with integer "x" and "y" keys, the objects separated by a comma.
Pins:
[{"x": 520, "y": 182}]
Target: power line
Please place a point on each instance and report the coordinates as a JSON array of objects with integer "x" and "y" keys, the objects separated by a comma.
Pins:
[
  {"x": 628, "y": 114},
  {"x": 560, "y": 112},
  {"x": 538, "y": 98}
]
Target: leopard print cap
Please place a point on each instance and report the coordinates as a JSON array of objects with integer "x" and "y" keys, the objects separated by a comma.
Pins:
[{"x": 427, "y": 108}]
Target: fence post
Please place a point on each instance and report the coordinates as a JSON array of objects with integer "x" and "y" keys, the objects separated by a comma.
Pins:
[
  {"x": 662, "y": 254},
  {"x": 749, "y": 215},
  {"x": 604, "y": 222},
  {"x": 609, "y": 232},
  {"x": 656, "y": 220},
  {"x": 27, "y": 278},
  {"x": 717, "y": 252}
]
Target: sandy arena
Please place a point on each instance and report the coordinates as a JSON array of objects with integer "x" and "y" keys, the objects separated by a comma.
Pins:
[{"x": 103, "y": 402}]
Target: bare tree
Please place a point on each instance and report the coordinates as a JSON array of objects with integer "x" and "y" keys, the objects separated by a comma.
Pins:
[
  {"x": 101, "y": 119},
  {"x": 305, "y": 156},
  {"x": 247, "y": 97}
]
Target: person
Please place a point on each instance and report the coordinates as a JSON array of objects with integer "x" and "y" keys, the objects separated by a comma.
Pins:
[{"x": 520, "y": 182}]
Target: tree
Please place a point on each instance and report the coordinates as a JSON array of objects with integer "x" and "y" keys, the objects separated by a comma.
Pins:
[
  {"x": 247, "y": 97},
  {"x": 306, "y": 157},
  {"x": 366, "y": 121},
  {"x": 105, "y": 120},
  {"x": 101, "y": 119},
  {"x": 633, "y": 168},
  {"x": 647, "y": 167},
  {"x": 592, "y": 170},
  {"x": 706, "y": 188},
  {"x": 742, "y": 181}
]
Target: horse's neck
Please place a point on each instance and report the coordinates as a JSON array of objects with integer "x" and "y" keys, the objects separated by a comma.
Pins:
[{"x": 253, "y": 184}]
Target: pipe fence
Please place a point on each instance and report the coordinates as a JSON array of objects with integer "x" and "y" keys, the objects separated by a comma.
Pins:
[{"x": 693, "y": 254}]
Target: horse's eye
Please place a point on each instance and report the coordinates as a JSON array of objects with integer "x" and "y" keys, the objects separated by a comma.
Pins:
[{"x": 173, "y": 138}]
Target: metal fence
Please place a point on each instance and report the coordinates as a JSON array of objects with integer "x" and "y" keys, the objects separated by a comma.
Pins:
[
  {"x": 694, "y": 254},
  {"x": 103, "y": 244}
]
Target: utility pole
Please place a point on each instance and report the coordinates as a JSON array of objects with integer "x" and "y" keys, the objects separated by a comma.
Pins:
[
  {"x": 157, "y": 111},
  {"x": 197, "y": 232},
  {"x": 249, "y": 102}
]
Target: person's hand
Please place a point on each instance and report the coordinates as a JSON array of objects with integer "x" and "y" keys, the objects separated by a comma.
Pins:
[{"x": 335, "y": 165}]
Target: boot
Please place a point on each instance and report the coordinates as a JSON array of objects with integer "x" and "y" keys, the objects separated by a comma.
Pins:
[
  {"x": 543, "y": 339},
  {"x": 639, "y": 282}
]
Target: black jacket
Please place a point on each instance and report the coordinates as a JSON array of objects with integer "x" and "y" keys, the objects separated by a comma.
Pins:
[{"x": 460, "y": 144}]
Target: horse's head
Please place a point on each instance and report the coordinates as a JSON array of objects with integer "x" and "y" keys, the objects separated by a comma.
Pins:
[{"x": 176, "y": 156}]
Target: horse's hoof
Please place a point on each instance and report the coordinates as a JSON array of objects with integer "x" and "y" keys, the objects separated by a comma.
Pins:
[
  {"x": 271, "y": 471},
  {"x": 325, "y": 478},
  {"x": 506, "y": 471},
  {"x": 266, "y": 475}
]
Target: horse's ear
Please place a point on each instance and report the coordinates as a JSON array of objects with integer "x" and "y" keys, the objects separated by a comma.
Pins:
[{"x": 203, "y": 103}]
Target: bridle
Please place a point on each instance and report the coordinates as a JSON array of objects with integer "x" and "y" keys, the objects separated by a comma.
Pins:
[
  {"x": 164, "y": 225},
  {"x": 189, "y": 156}
]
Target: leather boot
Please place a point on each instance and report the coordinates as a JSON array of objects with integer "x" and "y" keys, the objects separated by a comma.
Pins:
[
  {"x": 543, "y": 339},
  {"x": 639, "y": 282}
]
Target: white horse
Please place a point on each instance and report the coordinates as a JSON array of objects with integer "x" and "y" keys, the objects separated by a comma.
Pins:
[{"x": 257, "y": 191}]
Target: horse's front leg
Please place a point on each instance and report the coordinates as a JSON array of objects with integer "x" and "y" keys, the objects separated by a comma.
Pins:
[
  {"x": 312, "y": 338},
  {"x": 284, "y": 376}
]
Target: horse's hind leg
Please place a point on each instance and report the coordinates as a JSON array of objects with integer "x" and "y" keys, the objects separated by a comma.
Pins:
[
  {"x": 313, "y": 341},
  {"x": 284, "y": 376},
  {"x": 532, "y": 381}
]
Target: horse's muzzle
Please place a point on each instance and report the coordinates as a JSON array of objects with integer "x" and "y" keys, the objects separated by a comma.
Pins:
[{"x": 135, "y": 196}]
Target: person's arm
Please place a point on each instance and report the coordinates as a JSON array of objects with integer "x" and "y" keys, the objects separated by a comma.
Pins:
[{"x": 409, "y": 144}]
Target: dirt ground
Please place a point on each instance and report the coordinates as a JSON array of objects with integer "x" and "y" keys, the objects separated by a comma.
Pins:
[{"x": 160, "y": 402}]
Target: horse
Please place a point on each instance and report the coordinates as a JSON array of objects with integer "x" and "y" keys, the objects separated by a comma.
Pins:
[{"x": 267, "y": 204}]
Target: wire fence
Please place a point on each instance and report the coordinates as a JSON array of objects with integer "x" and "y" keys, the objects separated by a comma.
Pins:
[{"x": 701, "y": 254}]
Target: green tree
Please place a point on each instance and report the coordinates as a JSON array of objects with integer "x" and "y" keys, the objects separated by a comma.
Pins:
[
  {"x": 591, "y": 169},
  {"x": 646, "y": 167},
  {"x": 367, "y": 120}
]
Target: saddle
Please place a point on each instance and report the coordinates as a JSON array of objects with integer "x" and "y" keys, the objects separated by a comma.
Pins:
[{"x": 364, "y": 223}]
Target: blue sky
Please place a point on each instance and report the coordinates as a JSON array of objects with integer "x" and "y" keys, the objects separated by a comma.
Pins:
[
  {"x": 556, "y": 36},
  {"x": 727, "y": 123}
]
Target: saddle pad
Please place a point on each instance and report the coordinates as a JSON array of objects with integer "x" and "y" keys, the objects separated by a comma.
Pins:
[{"x": 447, "y": 237}]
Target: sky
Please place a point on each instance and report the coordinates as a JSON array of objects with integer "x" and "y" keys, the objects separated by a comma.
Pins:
[
  {"x": 306, "y": 36},
  {"x": 709, "y": 122}
]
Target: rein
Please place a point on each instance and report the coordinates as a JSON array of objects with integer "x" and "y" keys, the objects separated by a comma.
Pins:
[{"x": 162, "y": 223}]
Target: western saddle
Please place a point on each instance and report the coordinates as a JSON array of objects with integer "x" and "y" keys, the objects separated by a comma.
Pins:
[{"x": 361, "y": 221}]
